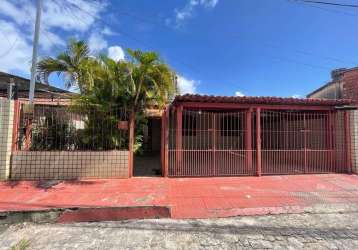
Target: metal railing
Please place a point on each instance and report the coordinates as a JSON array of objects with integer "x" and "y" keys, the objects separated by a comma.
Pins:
[
  {"x": 67, "y": 142},
  {"x": 67, "y": 128},
  {"x": 225, "y": 143}
]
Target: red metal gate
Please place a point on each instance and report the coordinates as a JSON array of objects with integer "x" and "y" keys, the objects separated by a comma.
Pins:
[
  {"x": 254, "y": 142},
  {"x": 302, "y": 142}
]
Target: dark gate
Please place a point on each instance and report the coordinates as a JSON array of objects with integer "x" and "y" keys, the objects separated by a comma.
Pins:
[{"x": 237, "y": 143}]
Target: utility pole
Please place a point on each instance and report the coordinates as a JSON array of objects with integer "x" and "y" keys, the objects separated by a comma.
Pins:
[{"x": 34, "y": 52}]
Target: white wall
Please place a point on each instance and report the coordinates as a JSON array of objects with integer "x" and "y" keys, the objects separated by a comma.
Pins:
[{"x": 6, "y": 128}]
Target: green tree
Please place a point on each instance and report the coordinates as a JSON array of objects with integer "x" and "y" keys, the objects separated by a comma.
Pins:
[
  {"x": 141, "y": 81},
  {"x": 75, "y": 65},
  {"x": 148, "y": 81}
]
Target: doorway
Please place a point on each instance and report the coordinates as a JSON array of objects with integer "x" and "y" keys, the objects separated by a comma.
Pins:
[{"x": 148, "y": 163}]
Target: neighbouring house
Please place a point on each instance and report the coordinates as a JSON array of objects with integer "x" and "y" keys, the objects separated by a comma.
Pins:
[
  {"x": 196, "y": 135},
  {"x": 344, "y": 85},
  {"x": 16, "y": 87},
  {"x": 14, "y": 92}
]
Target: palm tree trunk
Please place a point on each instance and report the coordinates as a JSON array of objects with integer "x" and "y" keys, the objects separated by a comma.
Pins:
[{"x": 131, "y": 142}]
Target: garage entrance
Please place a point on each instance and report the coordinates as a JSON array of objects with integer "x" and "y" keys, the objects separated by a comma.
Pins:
[{"x": 256, "y": 140}]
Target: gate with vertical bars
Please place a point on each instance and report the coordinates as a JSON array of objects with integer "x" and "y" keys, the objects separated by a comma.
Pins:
[{"x": 249, "y": 142}]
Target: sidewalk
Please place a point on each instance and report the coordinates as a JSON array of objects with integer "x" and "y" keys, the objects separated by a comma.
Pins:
[{"x": 187, "y": 197}]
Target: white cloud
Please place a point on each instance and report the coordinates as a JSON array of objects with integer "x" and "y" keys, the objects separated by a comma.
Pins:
[
  {"x": 209, "y": 3},
  {"x": 75, "y": 15},
  {"x": 17, "y": 24},
  {"x": 49, "y": 39},
  {"x": 96, "y": 42},
  {"x": 116, "y": 53},
  {"x": 239, "y": 93},
  {"x": 187, "y": 11},
  {"x": 20, "y": 11},
  {"x": 108, "y": 32},
  {"x": 186, "y": 86},
  {"x": 15, "y": 51},
  {"x": 296, "y": 96}
]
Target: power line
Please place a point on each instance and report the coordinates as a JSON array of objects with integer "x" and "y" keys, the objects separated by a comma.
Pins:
[
  {"x": 12, "y": 46},
  {"x": 131, "y": 14},
  {"x": 145, "y": 44},
  {"x": 53, "y": 43},
  {"x": 264, "y": 43},
  {"x": 190, "y": 67},
  {"x": 301, "y": 63},
  {"x": 336, "y": 11},
  {"x": 141, "y": 19},
  {"x": 69, "y": 11},
  {"x": 329, "y": 3},
  {"x": 316, "y": 6}
]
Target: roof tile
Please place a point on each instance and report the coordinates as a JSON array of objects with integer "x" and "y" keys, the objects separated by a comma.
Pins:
[{"x": 259, "y": 100}]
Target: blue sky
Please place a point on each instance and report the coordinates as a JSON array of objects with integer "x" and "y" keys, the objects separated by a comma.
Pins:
[{"x": 222, "y": 47}]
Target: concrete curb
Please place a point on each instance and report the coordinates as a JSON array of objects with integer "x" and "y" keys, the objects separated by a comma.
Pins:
[
  {"x": 85, "y": 214},
  {"x": 97, "y": 214}
]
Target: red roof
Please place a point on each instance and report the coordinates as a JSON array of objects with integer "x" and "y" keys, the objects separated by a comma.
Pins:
[{"x": 259, "y": 100}]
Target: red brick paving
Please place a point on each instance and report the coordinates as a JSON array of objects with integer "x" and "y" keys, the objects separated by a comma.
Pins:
[{"x": 187, "y": 197}]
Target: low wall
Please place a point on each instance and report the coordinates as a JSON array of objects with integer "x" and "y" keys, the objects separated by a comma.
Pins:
[
  {"x": 38, "y": 165},
  {"x": 6, "y": 128}
]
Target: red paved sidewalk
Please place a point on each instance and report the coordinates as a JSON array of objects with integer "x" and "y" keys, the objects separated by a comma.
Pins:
[{"x": 187, "y": 197}]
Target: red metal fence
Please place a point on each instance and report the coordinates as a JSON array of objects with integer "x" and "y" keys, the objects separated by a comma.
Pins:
[
  {"x": 255, "y": 142},
  {"x": 68, "y": 142}
]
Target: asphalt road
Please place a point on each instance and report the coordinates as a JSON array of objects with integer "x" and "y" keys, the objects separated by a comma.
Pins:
[{"x": 300, "y": 231}]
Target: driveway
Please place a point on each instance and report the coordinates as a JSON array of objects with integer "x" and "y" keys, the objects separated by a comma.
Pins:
[{"x": 290, "y": 231}]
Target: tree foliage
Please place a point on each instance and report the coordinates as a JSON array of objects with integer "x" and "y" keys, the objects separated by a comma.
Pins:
[{"x": 141, "y": 81}]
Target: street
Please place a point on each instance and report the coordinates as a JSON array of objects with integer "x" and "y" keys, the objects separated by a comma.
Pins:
[{"x": 295, "y": 231}]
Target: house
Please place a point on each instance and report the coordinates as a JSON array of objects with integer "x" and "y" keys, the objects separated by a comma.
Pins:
[
  {"x": 343, "y": 85},
  {"x": 17, "y": 88},
  {"x": 196, "y": 135},
  {"x": 234, "y": 136}
]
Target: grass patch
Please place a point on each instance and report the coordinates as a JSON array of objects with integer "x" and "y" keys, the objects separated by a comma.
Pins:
[{"x": 21, "y": 245}]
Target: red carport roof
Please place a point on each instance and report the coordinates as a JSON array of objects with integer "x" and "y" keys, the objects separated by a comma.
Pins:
[{"x": 259, "y": 100}]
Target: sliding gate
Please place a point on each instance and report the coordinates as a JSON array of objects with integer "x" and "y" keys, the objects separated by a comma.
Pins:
[{"x": 247, "y": 142}]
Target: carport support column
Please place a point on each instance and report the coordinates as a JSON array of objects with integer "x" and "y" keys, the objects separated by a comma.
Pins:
[
  {"x": 248, "y": 138},
  {"x": 347, "y": 141},
  {"x": 329, "y": 138},
  {"x": 258, "y": 141},
  {"x": 165, "y": 141},
  {"x": 179, "y": 138}
]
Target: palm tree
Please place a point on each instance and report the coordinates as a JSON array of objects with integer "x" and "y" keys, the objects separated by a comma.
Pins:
[
  {"x": 74, "y": 65},
  {"x": 148, "y": 81},
  {"x": 108, "y": 88},
  {"x": 140, "y": 81}
]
